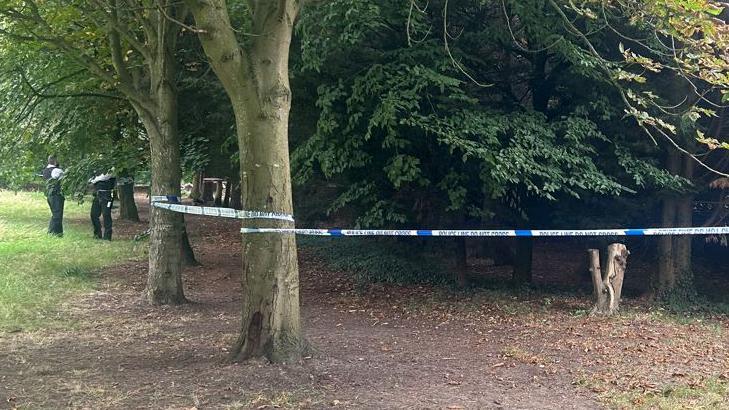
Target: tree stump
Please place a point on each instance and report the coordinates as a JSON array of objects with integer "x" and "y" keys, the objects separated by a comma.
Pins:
[{"x": 608, "y": 285}]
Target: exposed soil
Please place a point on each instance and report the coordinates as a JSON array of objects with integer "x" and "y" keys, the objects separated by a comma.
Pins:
[{"x": 389, "y": 347}]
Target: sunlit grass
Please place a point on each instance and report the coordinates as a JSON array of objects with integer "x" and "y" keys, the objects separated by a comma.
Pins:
[
  {"x": 38, "y": 271},
  {"x": 710, "y": 394}
]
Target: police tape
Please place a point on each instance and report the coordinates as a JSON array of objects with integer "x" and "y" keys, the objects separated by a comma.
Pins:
[
  {"x": 718, "y": 230},
  {"x": 171, "y": 202}
]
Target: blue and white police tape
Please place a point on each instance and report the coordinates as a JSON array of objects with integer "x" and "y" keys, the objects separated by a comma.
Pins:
[
  {"x": 172, "y": 203},
  {"x": 718, "y": 230}
]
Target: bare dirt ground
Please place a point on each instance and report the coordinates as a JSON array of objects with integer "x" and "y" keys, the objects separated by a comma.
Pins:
[{"x": 387, "y": 347}]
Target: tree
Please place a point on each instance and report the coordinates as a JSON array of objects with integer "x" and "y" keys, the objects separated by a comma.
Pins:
[
  {"x": 130, "y": 46},
  {"x": 254, "y": 74},
  {"x": 49, "y": 107}
]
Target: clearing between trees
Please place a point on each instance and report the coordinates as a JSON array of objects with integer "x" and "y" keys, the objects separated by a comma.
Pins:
[{"x": 386, "y": 346}]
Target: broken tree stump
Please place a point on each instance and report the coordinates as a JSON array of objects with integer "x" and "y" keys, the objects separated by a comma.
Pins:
[{"x": 608, "y": 285}]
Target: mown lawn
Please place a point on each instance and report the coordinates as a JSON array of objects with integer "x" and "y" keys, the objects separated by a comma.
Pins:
[{"x": 37, "y": 271}]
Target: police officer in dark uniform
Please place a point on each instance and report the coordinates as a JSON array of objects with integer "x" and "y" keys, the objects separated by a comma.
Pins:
[
  {"x": 103, "y": 185},
  {"x": 52, "y": 173}
]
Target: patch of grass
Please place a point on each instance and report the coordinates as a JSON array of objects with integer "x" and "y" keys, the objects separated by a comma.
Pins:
[
  {"x": 660, "y": 314},
  {"x": 520, "y": 355},
  {"x": 710, "y": 394},
  {"x": 281, "y": 400},
  {"x": 38, "y": 271}
]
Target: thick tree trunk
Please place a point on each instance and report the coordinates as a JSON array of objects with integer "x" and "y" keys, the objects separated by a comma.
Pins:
[
  {"x": 608, "y": 285},
  {"x": 127, "y": 206},
  {"x": 522, "y": 272},
  {"x": 257, "y": 82},
  {"x": 164, "y": 280}
]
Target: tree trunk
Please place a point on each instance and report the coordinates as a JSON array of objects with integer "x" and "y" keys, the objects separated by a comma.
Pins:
[
  {"x": 207, "y": 192},
  {"x": 608, "y": 285},
  {"x": 666, "y": 271},
  {"x": 256, "y": 80},
  {"x": 127, "y": 206},
  {"x": 188, "y": 255},
  {"x": 682, "y": 243},
  {"x": 236, "y": 198},
  {"x": 666, "y": 266},
  {"x": 196, "y": 191},
  {"x": 522, "y": 272},
  {"x": 164, "y": 281},
  {"x": 675, "y": 274},
  {"x": 226, "y": 199},
  {"x": 461, "y": 262},
  {"x": 218, "y": 198}
]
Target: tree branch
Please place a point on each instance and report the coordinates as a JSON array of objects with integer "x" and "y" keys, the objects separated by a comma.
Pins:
[{"x": 38, "y": 92}]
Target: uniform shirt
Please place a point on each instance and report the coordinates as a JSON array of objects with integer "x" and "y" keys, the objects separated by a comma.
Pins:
[
  {"x": 52, "y": 174},
  {"x": 103, "y": 182}
]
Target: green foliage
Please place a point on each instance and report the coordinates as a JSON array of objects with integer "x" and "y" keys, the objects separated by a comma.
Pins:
[
  {"x": 206, "y": 121},
  {"x": 409, "y": 139},
  {"x": 371, "y": 261},
  {"x": 51, "y": 108}
]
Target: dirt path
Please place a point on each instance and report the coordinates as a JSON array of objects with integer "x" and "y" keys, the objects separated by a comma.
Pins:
[{"x": 392, "y": 347}]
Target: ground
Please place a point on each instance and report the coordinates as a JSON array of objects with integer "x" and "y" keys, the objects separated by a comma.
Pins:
[{"x": 385, "y": 347}]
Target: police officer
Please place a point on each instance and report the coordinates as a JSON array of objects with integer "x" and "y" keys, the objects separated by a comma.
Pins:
[
  {"x": 103, "y": 184},
  {"x": 52, "y": 173}
]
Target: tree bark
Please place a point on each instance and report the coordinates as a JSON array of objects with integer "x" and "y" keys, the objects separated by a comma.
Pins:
[
  {"x": 236, "y": 198},
  {"x": 164, "y": 280},
  {"x": 682, "y": 243},
  {"x": 127, "y": 207},
  {"x": 218, "y": 198},
  {"x": 226, "y": 199},
  {"x": 675, "y": 274},
  {"x": 608, "y": 285},
  {"x": 188, "y": 255},
  {"x": 196, "y": 191},
  {"x": 522, "y": 272},
  {"x": 256, "y": 80},
  {"x": 666, "y": 271},
  {"x": 461, "y": 262},
  {"x": 207, "y": 192},
  {"x": 666, "y": 266}
]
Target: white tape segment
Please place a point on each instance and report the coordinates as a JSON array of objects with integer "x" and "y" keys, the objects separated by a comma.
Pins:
[
  {"x": 718, "y": 230},
  {"x": 171, "y": 202}
]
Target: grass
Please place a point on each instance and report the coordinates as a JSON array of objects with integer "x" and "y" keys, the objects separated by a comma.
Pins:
[
  {"x": 712, "y": 393},
  {"x": 37, "y": 271}
]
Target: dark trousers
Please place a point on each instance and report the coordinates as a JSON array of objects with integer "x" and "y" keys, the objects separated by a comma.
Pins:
[
  {"x": 55, "y": 202},
  {"x": 101, "y": 205}
]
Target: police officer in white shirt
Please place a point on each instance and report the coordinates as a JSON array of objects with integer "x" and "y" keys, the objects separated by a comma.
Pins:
[
  {"x": 103, "y": 185},
  {"x": 52, "y": 173}
]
